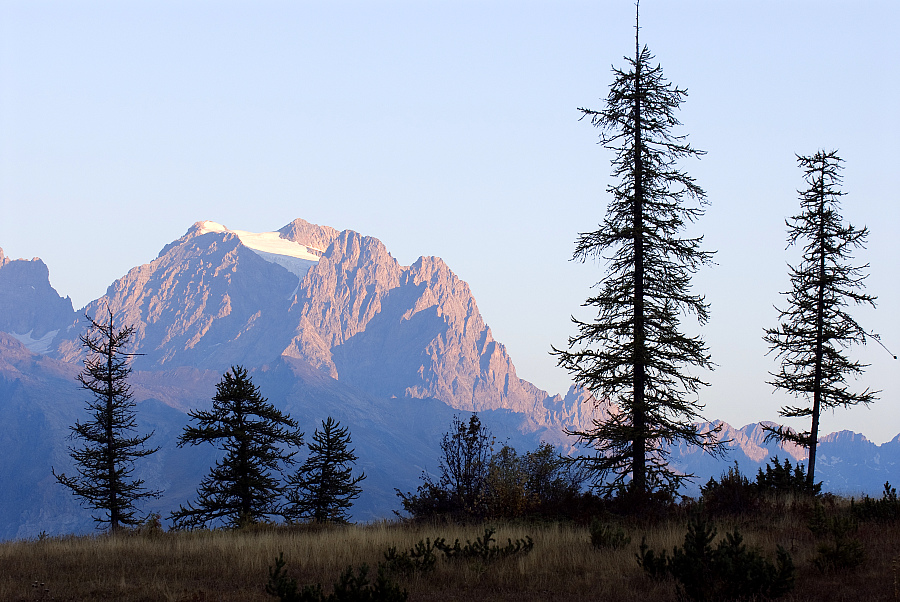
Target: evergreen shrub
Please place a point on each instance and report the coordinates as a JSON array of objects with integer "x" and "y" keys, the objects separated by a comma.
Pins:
[
  {"x": 887, "y": 509},
  {"x": 605, "y": 536},
  {"x": 351, "y": 586},
  {"x": 730, "y": 571}
]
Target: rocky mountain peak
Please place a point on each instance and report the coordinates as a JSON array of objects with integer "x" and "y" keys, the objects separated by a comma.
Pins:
[
  {"x": 30, "y": 308},
  {"x": 845, "y": 437},
  {"x": 339, "y": 302},
  {"x": 311, "y": 235}
]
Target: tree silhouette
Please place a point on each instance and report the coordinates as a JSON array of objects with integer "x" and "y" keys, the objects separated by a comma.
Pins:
[
  {"x": 324, "y": 488},
  {"x": 244, "y": 487},
  {"x": 633, "y": 352},
  {"x": 815, "y": 330},
  {"x": 105, "y": 461},
  {"x": 465, "y": 469}
]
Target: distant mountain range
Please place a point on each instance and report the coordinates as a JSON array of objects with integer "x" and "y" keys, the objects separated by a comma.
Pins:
[{"x": 330, "y": 325}]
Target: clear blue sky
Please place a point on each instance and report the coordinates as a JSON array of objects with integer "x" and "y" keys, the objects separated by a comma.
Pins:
[{"x": 450, "y": 129}]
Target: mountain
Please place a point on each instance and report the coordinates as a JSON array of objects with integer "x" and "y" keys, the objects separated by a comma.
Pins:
[
  {"x": 338, "y": 301},
  {"x": 329, "y": 324},
  {"x": 30, "y": 309}
]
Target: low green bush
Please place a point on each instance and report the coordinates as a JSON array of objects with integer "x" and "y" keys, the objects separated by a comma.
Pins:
[
  {"x": 351, "y": 586},
  {"x": 482, "y": 549},
  {"x": 887, "y": 509},
  {"x": 838, "y": 551},
  {"x": 729, "y": 571},
  {"x": 604, "y": 536},
  {"x": 733, "y": 493},
  {"x": 785, "y": 479},
  {"x": 418, "y": 559}
]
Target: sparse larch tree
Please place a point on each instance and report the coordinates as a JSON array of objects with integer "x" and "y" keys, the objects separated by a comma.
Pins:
[
  {"x": 633, "y": 353},
  {"x": 324, "y": 488},
  {"x": 244, "y": 487},
  {"x": 816, "y": 329},
  {"x": 105, "y": 461}
]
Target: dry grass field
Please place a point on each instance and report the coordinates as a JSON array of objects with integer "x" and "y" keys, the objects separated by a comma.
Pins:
[{"x": 233, "y": 566}]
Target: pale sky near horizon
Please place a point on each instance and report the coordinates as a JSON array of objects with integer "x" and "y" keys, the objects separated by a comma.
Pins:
[{"x": 450, "y": 128}]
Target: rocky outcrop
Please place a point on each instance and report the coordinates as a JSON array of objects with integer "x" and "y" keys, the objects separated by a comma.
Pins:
[{"x": 30, "y": 308}]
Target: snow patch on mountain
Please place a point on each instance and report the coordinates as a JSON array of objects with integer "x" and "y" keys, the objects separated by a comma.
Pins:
[
  {"x": 271, "y": 246},
  {"x": 39, "y": 345}
]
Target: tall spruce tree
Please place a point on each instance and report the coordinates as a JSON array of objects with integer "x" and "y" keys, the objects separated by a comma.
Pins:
[
  {"x": 244, "y": 487},
  {"x": 105, "y": 461},
  {"x": 816, "y": 329},
  {"x": 633, "y": 352},
  {"x": 324, "y": 488}
]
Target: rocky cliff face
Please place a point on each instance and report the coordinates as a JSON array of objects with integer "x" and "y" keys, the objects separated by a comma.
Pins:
[
  {"x": 209, "y": 300},
  {"x": 402, "y": 331},
  {"x": 30, "y": 308}
]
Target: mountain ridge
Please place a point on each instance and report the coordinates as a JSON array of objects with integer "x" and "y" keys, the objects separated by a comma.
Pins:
[
  {"x": 392, "y": 351},
  {"x": 210, "y": 301}
]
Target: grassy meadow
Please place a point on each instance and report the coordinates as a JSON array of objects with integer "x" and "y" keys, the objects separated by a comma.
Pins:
[{"x": 232, "y": 566}]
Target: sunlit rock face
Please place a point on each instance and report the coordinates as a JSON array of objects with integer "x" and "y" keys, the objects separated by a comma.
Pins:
[{"x": 336, "y": 300}]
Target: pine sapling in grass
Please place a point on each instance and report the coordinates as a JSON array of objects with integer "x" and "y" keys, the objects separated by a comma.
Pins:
[
  {"x": 418, "y": 559},
  {"x": 482, "y": 549},
  {"x": 837, "y": 551},
  {"x": 604, "y": 536},
  {"x": 352, "y": 586},
  {"x": 728, "y": 571},
  {"x": 887, "y": 509}
]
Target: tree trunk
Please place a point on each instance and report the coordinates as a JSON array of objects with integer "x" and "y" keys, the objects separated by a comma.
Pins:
[
  {"x": 820, "y": 335},
  {"x": 110, "y": 458},
  {"x": 639, "y": 419}
]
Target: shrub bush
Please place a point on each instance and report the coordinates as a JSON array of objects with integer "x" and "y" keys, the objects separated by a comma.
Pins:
[
  {"x": 838, "y": 552},
  {"x": 733, "y": 493},
  {"x": 785, "y": 479},
  {"x": 418, "y": 559},
  {"x": 351, "y": 586},
  {"x": 482, "y": 549},
  {"x": 604, "y": 536},
  {"x": 727, "y": 572},
  {"x": 887, "y": 509}
]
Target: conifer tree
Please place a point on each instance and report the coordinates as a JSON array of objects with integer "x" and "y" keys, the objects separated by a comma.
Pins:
[
  {"x": 816, "y": 329},
  {"x": 105, "y": 461},
  {"x": 324, "y": 488},
  {"x": 633, "y": 353},
  {"x": 244, "y": 487}
]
